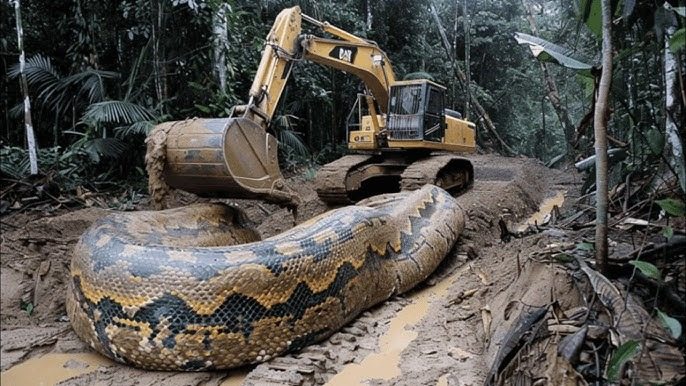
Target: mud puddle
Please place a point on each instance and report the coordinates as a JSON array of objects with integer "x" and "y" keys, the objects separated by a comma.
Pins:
[
  {"x": 541, "y": 216},
  {"x": 236, "y": 378},
  {"x": 385, "y": 364},
  {"x": 53, "y": 368}
]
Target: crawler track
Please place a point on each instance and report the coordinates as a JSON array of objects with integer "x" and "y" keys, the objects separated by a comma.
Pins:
[
  {"x": 334, "y": 180},
  {"x": 441, "y": 170},
  {"x": 330, "y": 183}
]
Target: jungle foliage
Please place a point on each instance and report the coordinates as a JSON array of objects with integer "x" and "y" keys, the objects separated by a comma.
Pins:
[{"x": 102, "y": 73}]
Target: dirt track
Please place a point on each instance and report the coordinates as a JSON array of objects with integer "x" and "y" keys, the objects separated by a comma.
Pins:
[{"x": 447, "y": 330}]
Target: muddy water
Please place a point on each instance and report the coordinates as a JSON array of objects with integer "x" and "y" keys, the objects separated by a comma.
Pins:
[
  {"x": 236, "y": 377},
  {"x": 544, "y": 210},
  {"x": 384, "y": 364},
  {"x": 51, "y": 369}
]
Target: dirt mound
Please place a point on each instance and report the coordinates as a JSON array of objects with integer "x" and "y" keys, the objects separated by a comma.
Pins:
[
  {"x": 35, "y": 261},
  {"x": 422, "y": 337}
]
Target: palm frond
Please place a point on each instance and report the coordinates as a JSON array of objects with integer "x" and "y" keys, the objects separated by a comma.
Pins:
[
  {"x": 292, "y": 140},
  {"x": 15, "y": 162},
  {"x": 96, "y": 148},
  {"x": 140, "y": 127},
  {"x": 288, "y": 137},
  {"x": 16, "y": 111},
  {"x": 89, "y": 82},
  {"x": 39, "y": 71},
  {"x": 60, "y": 96},
  {"x": 116, "y": 112}
]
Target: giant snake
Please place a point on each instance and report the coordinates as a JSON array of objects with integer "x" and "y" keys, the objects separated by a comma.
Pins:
[{"x": 194, "y": 288}]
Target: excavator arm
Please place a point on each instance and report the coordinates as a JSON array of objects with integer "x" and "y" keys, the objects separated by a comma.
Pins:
[
  {"x": 235, "y": 157},
  {"x": 285, "y": 45}
]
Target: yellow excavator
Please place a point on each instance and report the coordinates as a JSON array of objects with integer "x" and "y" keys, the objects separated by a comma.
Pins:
[{"x": 399, "y": 131}]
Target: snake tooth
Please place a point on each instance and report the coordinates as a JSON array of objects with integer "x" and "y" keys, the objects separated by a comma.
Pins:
[{"x": 196, "y": 288}]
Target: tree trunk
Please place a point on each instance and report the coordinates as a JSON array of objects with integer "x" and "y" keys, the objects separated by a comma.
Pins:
[
  {"x": 30, "y": 137},
  {"x": 158, "y": 64},
  {"x": 674, "y": 150},
  {"x": 541, "y": 147},
  {"x": 467, "y": 70},
  {"x": 220, "y": 30},
  {"x": 369, "y": 15},
  {"x": 462, "y": 78},
  {"x": 453, "y": 85},
  {"x": 600, "y": 119},
  {"x": 553, "y": 94}
]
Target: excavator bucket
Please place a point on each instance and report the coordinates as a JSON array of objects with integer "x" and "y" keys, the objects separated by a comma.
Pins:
[{"x": 226, "y": 157}]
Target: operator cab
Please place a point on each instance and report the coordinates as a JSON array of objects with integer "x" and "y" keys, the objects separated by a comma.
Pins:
[{"x": 416, "y": 112}]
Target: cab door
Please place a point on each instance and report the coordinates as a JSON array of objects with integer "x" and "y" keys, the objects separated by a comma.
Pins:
[{"x": 434, "y": 124}]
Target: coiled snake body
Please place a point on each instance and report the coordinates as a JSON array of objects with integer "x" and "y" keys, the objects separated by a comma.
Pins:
[{"x": 193, "y": 288}]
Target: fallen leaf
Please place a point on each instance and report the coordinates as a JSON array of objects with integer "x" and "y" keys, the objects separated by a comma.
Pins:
[
  {"x": 486, "y": 319},
  {"x": 459, "y": 354},
  {"x": 509, "y": 308},
  {"x": 485, "y": 280}
]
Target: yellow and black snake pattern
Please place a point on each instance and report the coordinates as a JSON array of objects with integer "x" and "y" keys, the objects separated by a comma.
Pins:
[{"x": 194, "y": 288}]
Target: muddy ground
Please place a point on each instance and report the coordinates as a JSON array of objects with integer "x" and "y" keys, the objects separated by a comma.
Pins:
[{"x": 448, "y": 331}]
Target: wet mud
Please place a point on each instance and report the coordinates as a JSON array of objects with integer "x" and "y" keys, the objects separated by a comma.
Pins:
[{"x": 447, "y": 329}]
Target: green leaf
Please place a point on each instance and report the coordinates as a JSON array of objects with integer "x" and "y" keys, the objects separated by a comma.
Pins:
[
  {"x": 624, "y": 353},
  {"x": 202, "y": 108},
  {"x": 588, "y": 85},
  {"x": 672, "y": 207},
  {"x": 668, "y": 232},
  {"x": 584, "y": 246},
  {"x": 563, "y": 257},
  {"x": 546, "y": 51},
  {"x": 656, "y": 141},
  {"x": 142, "y": 127},
  {"x": 28, "y": 307},
  {"x": 590, "y": 13},
  {"x": 647, "y": 269},
  {"x": 116, "y": 112},
  {"x": 678, "y": 40},
  {"x": 670, "y": 324},
  {"x": 681, "y": 11}
]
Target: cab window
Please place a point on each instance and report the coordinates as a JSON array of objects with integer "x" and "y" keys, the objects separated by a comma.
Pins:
[{"x": 435, "y": 105}]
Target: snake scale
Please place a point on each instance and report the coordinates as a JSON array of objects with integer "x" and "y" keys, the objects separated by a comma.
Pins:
[{"x": 194, "y": 288}]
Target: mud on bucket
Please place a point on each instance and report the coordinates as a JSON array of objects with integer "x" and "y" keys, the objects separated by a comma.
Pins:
[{"x": 225, "y": 157}]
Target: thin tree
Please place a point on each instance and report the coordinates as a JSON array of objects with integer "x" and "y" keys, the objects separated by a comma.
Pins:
[
  {"x": 467, "y": 69},
  {"x": 462, "y": 79},
  {"x": 370, "y": 17},
  {"x": 674, "y": 150},
  {"x": 552, "y": 92},
  {"x": 30, "y": 137},
  {"x": 159, "y": 66},
  {"x": 220, "y": 32},
  {"x": 600, "y": 119}
]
